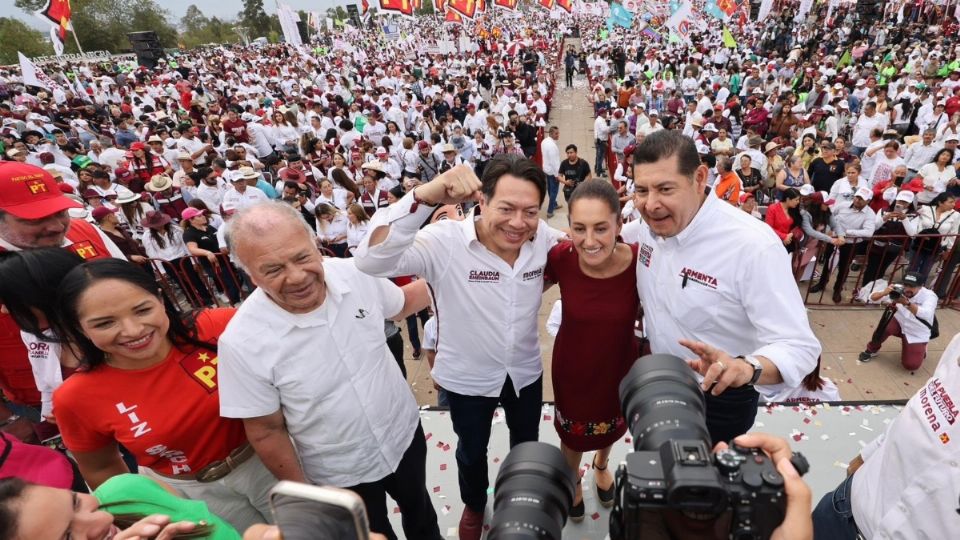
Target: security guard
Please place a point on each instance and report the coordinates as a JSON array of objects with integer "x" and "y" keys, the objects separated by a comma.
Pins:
[{"x": 716, "y": 282}]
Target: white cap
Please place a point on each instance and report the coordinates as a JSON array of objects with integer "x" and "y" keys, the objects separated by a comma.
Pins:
[
  {"x": 654, "y": 112},
  {"x": 864, "y": 193},
  {"x": 710, "y": 127},
  {"x": 890, "y": 194},
  {"x": 906, "y": 196},
  {"x": 806, "y": 190}
]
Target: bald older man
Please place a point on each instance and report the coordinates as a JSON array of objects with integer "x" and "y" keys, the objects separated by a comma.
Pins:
[{"x": 305, "y": 359}]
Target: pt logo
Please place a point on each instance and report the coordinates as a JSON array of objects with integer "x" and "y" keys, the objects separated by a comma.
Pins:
[
  {"x": 36, "y": 187},
  {"x": 202, "y": 367},
  {"x": 85, "y": 249}
]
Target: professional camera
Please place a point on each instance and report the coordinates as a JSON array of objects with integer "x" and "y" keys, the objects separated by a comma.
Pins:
[
  {"x": 533, "y": 494},
  {"x": 896, "y": 292},
  {"x": 502, "y": 133},
  {"x": 673, "y": 467}
]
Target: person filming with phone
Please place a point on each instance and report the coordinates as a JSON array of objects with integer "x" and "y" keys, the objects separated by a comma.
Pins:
[{"x": 910, "y": 316}]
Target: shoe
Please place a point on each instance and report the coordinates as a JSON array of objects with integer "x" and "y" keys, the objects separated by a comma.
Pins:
[
  {"x": 837, "y": 298},
  {"x": 549, "y": 215},
  {"x": 558, "y": 206},
  {"x": 416, "y": 354},
  {"x": 867, "y": 356},
  {"x": 605, "y": 495},
  {"x": 471, "y": 524},
  {"x": 855, "y": 267},
  {"x": 817, "y": 288},
  {"x": 579, "y": 510}
]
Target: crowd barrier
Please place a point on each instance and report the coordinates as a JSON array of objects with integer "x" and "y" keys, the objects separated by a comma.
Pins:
[
  {"x": 863, "y": 261},
  {"x": 195, "y": 282}
]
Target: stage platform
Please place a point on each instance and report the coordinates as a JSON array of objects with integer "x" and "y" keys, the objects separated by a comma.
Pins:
[{"x": 829, "y": 436}]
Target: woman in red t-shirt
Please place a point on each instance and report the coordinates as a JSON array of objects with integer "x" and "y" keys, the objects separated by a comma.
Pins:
[{"x": 149, "y": 382}]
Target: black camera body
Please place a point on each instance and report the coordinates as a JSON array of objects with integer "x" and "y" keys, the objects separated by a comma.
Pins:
[
  {"x": 897, "y": 291},
  {"x": 684, "y": 476}
]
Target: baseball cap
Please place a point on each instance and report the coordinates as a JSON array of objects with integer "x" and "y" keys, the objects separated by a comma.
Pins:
[
  {"x": 101, "y": 212},
  {"x": 29, "y": 192},
  {"x": 912, "y": 279},
  {"x": 806, "y": 190},
  {"x": 906, "y": 196},
  {"x": 864, "y": 193},
  {"x": 190, "y": 213}
]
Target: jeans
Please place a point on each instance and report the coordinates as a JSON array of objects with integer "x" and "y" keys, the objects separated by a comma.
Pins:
[
  {"x": 732, "y": 413},
  {"x": 408, "y": 487},
  {"x": 472, "y": 417},
  {"x": 858, "y": 150},
  {"x": 553, "y": 187},
  {"x": 600, "y": 166},
  {"x": 833, "y": 516},
  {"x": 569, "y": 74}
]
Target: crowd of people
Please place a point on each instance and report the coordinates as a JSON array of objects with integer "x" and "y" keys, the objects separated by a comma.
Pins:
[{"x": 183, "y": 249}]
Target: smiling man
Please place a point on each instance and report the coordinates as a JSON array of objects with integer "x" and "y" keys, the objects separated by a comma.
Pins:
[
  {"x": 355, "y": 427},
  {"x": 716, "y": 282},
  {"x": 486, "y": 277}
]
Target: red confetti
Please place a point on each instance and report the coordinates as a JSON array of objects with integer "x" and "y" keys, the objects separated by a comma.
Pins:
[
  {"x": 547, "y": 417},
  {"x": 496, "y": 460},
  {"x": 446, "y": 448},
  {"x": 436, "y": 489},
  {"x": 849, "y": 381},
  {"x": 595, "y": 516},
  {"x": 486, "y": 527},
  {"x": 439, "y": 444},
  {"x": 396, "y": 509},
  {"x": 798, "y": 437},
  {"x": 628, "y": 440},
  {"x": 427, "y": 436},
  {"x": 806, "y": 420},
  {"x": 443, "y": 466}
]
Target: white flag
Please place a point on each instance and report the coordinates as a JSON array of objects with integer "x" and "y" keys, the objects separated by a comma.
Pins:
[
  {"x": 288, "y": 23},
  {"x": 80, "y": 91},
  {"x": 34, "y": 76},
  {"x": 55, "y": 39},
  {"x": 802, "y": 10},
  {"x": 681, "y": 23},
  {"x": 765, "y": 7}
]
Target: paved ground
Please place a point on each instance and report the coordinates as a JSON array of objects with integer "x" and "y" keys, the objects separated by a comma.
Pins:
[{"x": 843, "y": 332}]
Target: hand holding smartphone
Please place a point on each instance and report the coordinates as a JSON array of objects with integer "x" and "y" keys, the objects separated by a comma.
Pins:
[{"x": 306, "y": 512}]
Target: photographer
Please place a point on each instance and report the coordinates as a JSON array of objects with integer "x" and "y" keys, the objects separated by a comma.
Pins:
[{"x": 910, "y": 316}]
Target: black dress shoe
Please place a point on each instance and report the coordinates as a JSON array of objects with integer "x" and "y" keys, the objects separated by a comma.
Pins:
[
  {"x": 817, "y": 288},
  {"x": 578, "y": 511}
]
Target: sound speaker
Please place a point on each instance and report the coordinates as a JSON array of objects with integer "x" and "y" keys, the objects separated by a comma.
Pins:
[
  {"x": 302, "y": 28},
  {"x": 146, "y": 45}
]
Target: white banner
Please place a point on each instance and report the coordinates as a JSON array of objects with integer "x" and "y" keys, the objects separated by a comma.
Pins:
[
  {"x": 802, "y": 10},
  {"x": 288, "y": 23},
  {"x": 55, "y": 40},
  {"x": 681, "y": 22},
  {"x": 765, "y": 7},
  {"x": 34, "y": 76}
]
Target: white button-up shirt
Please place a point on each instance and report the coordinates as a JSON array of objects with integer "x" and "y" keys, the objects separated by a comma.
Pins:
[
  {"x": 907, "y": 486},
  {"x": 347, "y": 407},
  {"x": 486, "y": 310},
  {"x": 726, "y": 280},
  {"x": 914, "y": 330}
]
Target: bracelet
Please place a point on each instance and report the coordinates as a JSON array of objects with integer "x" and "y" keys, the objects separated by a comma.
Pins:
[{"x": 10, "y": 419}]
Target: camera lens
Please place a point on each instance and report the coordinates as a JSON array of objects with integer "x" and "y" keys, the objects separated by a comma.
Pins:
[
  {"x": 662, "y": 401},
  {"x": 534, "y": 492}
]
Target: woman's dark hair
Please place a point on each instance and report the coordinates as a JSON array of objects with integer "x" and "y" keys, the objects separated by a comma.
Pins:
[
  {"x": 788, "y": 195},
  {"x": 936, "y": 157},
  {"x": 599, "y": 190},
  {"x": 515, "y": 165},
  {"x": 347, "y": 183},
  {"x": 812, "y": 382},
  {"x": 938, "y": 200},
  {"x": 66, "y": 324},
  {"x": 161, "y": 239},
  {"x": 11, "y": 489},
  {"x": 29, "y": 279},
  {"x": 664, "y": 144}
]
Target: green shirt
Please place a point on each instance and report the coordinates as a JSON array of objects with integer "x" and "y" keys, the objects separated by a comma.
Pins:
[{"x": 141, "y": 495}]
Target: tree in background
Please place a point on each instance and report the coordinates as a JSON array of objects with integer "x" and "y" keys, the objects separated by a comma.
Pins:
[
  {"x": 426, "y": 8},
  {"x": 104, "y": 24},
  {"x": 17, "y": 36},
  {"x": 197, "y": 29},
  {"x": 256, "y": 19}
]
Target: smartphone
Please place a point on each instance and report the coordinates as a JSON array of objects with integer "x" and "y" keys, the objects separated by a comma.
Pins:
[{"x": 306, "y": 512}]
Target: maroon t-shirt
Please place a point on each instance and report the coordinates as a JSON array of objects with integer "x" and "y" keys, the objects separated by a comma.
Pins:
[{"x": 237, "y": 128}]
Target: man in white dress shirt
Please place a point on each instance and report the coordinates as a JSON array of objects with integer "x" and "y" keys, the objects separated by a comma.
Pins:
[
  {"x": 357, "y": 426},
  {"x": 551, "y": 166},
  {"x": 716, "y": 282},
  {"x": 486, "y": 278},
  {"x": 904, "y": 484}
]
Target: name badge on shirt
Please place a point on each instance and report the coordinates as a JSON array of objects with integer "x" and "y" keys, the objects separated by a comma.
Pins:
[
  {"x": 84, "y": 249},
  {"x": 484, "y": 276},
  {"x": 646, "y": 254},
  {"x": 938, "y": 408}
]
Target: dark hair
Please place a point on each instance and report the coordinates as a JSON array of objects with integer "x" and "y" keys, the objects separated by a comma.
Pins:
[
  {"x": 938, "y": 200},
  {"x": 515, "y": 165},
  {"x": 343, "y": 179},
  {"x": 936, "y": 157},
  {"x": 664, "y": 144},
  {"x": 794, "y": 213},
  {"x": 570, "y": 147},
  {"x": 11, "y": 489},
  {"x": 29, "y": 279},
  {"x": 66, "y": 324},
  {"x": 600, "y": 190}
]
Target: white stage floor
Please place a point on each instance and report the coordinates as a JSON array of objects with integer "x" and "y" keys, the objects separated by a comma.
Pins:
[{"x": 829, "y": 436}]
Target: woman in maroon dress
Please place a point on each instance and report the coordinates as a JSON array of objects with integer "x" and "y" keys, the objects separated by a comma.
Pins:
[{"x": 595, "y": 345}]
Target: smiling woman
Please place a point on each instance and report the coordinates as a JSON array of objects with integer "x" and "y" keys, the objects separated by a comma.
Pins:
[{"x": 150, "y": 384}]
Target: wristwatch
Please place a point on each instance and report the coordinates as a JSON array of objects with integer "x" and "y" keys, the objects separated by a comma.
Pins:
[{"x": 757, "y": 368}]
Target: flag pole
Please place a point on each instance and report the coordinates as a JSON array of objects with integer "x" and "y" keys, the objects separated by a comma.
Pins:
[{"x": 75, "y": 39}]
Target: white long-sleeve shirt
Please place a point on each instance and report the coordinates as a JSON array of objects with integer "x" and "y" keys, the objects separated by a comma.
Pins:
[
  {"x": 726, "y": 280},
  {"x": 486, "y": 308},
  {"x": 45, "y": 362},
  {"x": 907, "y": 486},
  {"x": 551, "y": 156}
]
